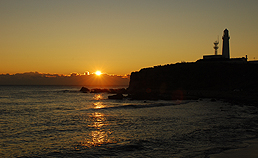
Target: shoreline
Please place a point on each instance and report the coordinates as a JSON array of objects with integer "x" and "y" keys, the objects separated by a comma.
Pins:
[
  {"x": 242, "y": 98},
  {"x": 238, "y": 97},
  {"x": 250, "y": 151},
  {"x": 234, "y": 97}
]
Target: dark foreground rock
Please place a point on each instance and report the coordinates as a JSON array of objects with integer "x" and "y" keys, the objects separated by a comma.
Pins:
[
  {"x": 98, "y": 90},
  {"x": 116, "y": 96},
  {"x": 84, "y": 90},
  {"x": 104, "y": 90},
  {"x": 112, "y": 91},
  {"x": 234, "y": 97}
]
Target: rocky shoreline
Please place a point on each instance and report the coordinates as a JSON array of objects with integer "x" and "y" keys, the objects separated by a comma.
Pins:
[
  {"x": 234, "y": 97},
  {"x": 99, "y": 90}
]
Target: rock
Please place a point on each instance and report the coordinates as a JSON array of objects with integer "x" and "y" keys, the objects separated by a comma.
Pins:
[
  {"x": 84, "y": 90},
  {"x": 98, "y": 90},
  {"x": 213, "y": 100},
  {"x": 117, "y": 96}
]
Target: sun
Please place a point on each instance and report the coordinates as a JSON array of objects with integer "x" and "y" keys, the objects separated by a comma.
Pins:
[{"x": 98, "y": 73}]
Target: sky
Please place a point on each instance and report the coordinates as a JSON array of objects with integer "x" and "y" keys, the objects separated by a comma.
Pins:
[{"x": 120, "y": 36}]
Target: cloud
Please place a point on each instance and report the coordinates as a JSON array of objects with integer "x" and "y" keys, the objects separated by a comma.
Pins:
[{"x": 36, "y": 78}]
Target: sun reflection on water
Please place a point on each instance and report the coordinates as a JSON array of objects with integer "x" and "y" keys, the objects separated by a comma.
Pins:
[
  {"x": 97, "y": 120},
  {"x": 98, "y": 138},
  {"x": 100, "y": 133},
  {"x": 98, "y": 97},
  {"x": 99, "y": 105}
]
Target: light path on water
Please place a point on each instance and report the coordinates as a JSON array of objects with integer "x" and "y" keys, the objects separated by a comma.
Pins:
[{"x": 50, "y": 121}]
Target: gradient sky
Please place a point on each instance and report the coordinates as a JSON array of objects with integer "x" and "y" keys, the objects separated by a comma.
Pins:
[{"x": 120, "y": 36}]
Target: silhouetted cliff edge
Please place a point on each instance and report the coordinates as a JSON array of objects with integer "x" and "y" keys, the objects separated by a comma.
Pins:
[{"x": 175, "y": 80}]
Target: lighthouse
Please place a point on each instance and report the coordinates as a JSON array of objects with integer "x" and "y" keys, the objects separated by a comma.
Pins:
[
  {"x": 225, "y": 57},
  {"x": 225, "y": 46}
]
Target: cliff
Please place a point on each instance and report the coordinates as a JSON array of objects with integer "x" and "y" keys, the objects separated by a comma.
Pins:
[{"x": 164, "y": 80}]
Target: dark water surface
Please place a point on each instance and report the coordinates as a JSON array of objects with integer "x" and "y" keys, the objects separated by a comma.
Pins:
[{"x": 56, "y": 121}]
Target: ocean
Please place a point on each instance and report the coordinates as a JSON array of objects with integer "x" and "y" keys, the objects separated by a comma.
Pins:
[{"x": 59, "y": 121}]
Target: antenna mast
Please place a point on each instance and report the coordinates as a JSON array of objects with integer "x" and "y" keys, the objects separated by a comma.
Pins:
[{"x": 216, "y": 47}]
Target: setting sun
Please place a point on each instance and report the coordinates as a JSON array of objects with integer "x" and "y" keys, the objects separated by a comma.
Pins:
[{"x": 98, "y": 73}]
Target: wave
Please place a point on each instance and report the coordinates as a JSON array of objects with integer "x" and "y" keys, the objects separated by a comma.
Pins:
[
  {"x": 69, "y": 91},
  {"x": 143, "y": 105}
]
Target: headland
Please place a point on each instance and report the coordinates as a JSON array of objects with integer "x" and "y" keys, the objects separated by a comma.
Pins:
[
  {"x": 184, "y": 80},
  {"x": 214, "y": 76}
]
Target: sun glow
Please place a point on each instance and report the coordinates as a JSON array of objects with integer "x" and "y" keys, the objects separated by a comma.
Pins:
[{"x": 98, "y": 73}]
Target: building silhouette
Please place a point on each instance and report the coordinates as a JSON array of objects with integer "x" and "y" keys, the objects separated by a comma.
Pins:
[
  {"x": 225, "y": 57},
  {"x": 225, "y": 47}
]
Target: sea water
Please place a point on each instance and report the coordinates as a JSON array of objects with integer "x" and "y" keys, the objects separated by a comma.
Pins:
[{"x": 59, "y": 121}]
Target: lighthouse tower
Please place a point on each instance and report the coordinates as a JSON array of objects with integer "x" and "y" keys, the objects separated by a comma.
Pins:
[{"x": 225, "y": 46}]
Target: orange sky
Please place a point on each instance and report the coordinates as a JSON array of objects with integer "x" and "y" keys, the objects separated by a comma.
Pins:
[{"x": 118, "y": 37}]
